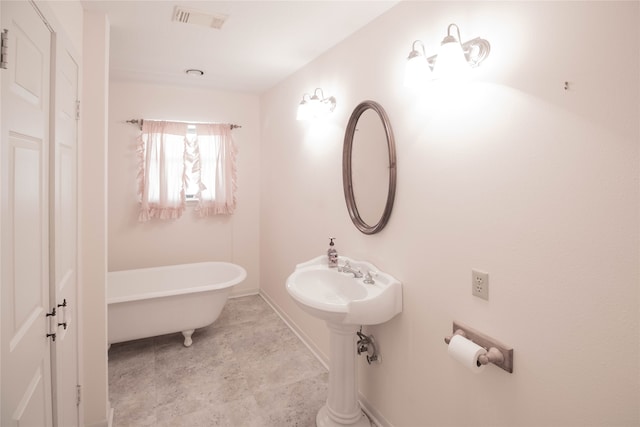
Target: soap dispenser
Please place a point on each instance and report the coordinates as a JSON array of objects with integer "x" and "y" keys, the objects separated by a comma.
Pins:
[{"x": 332, "y": 254}]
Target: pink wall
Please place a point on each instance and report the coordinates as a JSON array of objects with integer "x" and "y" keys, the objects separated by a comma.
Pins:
[
  {"x": 190, "y": 238},
  {"x": 512, "y": 175}
]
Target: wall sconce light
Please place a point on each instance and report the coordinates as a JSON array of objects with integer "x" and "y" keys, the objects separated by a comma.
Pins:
[
  {"x": 453, "y": 59},
  {"x": 315, "y": 106}
]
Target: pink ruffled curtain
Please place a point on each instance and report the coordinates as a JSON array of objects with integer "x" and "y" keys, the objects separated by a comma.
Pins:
[
  {"x": 161, "y": 152},
  {"x": 164, "y": 151},
  {"x": 216, "y": 158}
]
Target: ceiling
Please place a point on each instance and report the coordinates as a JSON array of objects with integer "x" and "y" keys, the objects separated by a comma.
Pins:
[{"x": 259, "y": 44}]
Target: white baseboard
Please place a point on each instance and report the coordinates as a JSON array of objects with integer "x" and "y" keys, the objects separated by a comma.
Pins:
[{"x": 245, "y": 293}]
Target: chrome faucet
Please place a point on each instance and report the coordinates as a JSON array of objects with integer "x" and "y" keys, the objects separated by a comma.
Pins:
[{"x": 346, "y": 268}]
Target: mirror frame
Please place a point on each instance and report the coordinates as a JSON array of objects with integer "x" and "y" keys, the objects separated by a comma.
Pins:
[{"x": 347, "y": 177}]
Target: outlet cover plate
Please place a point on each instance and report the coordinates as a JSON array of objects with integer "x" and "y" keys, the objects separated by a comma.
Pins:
[{"x": 480, "y": 284}]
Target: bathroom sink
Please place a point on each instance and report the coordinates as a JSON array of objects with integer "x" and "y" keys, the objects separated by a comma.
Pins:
[
  {"x": 339, "y": 297},
  {"x": 344, "y": 302}
]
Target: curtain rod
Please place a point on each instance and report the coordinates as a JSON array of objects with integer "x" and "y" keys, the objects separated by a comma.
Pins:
[{"x": 141, "y": 121}]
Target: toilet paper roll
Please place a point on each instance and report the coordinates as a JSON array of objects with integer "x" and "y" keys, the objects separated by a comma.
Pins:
[{"x": 467, "y": 353}]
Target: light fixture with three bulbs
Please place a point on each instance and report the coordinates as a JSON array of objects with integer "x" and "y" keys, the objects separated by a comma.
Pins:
[
  {"x": 454, "y": 59},
  {"x": 315, "y": 106}
]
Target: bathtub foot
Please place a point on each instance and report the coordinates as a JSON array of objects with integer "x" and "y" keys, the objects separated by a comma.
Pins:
[{"x": 187, "y": 337}]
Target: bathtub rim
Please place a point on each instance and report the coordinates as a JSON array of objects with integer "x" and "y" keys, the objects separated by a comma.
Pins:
[{"x": 173, "y": 292}]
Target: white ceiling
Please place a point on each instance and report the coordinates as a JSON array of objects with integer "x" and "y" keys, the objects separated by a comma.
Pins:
[{"x": 260, "y": 44}]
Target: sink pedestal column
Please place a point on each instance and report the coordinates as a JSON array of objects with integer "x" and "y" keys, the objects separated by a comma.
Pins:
[{"x": 342, "y": 407}]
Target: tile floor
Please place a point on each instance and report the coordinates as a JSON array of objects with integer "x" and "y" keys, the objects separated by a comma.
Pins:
[{"x": 247, "y": 369}]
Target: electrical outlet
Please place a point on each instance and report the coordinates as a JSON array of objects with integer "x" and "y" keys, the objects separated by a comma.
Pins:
[{"x": 480, "y": 284}]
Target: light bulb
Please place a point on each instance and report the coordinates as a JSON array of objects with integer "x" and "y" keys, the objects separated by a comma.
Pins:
[
  {"x": 303, "y": 111},
  {"x": 450, "y": 62},
  {"x": 417, "y": 70}
]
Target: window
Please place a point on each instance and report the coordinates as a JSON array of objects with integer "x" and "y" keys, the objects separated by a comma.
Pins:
[{"x": 180, "y": 161}]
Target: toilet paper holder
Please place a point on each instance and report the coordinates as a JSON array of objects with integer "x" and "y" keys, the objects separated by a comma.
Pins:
[{"x": 497, "y": 353}]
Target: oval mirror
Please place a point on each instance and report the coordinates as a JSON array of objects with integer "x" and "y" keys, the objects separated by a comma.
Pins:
[{"x": 369, "y": 167}]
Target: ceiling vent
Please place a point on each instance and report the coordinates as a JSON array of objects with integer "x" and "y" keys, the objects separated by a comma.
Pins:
[{"x": 196, "y": 17}]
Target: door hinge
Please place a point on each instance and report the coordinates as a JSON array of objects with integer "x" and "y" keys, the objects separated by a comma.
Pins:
[
  {"x": 4, "y": 46},
  {"x": 77, "y": 110},
  {"x": 78, "y": 394}
]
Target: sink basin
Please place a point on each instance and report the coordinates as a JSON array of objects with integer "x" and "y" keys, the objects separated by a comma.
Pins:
[{"x": 337, "y": 297}]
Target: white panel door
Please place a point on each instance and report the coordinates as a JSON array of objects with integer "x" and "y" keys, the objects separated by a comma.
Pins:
[
  {"x": 64, "y": 235},
  {"x": 24, "y": 215}
]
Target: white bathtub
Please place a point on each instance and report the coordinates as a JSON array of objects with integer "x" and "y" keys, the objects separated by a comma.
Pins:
[{"x": 148, "y": 302}]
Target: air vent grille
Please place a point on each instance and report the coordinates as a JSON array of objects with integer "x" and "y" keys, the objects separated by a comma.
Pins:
[{"x": 196, "y": 17}]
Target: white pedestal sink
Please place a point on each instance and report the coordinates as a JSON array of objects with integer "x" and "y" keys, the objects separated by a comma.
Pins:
[{"x": 345, "y": 303}]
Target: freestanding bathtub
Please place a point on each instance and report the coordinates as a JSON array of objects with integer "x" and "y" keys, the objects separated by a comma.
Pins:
[{"x": 148, "y": 302}]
